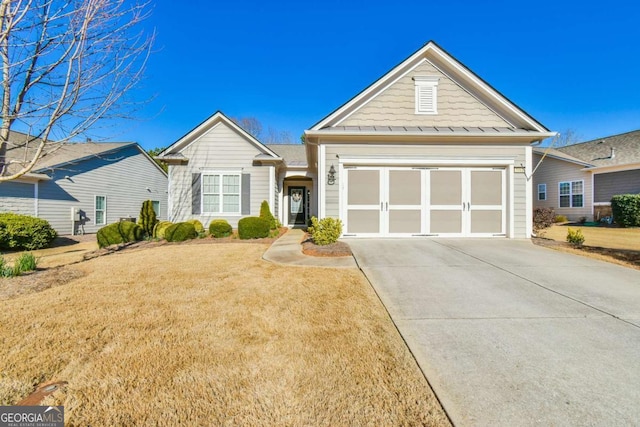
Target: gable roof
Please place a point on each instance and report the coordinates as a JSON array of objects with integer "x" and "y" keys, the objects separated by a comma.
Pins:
[
  {"x": 293, "y": 154},
  {"x": 616, "y": 150},
  {"x": 58, "y": 154},
  {"x": 173, "y": 151},
  {"x": 522, "y": 122}
]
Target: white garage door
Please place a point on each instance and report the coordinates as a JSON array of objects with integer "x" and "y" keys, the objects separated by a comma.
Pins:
[{"x": 386, "y": 201}]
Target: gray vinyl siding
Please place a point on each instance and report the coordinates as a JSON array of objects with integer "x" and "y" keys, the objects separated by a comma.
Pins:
[
  {"x": 221, "y": 149},
  {"x": 551, "y": 172},
  {"x": 126, "y": 178},
  {"x": 608, "y": 185},
  {"x": 17, "y": 197},
  {"x": 434, "y": 151}
]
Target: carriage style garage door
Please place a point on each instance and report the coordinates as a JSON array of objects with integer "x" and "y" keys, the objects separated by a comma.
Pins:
[{"x": 401, "y": 201}]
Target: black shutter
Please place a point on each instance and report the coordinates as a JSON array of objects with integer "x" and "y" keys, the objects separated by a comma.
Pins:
[
  {"x": 196, "y": 209},
  {"x": 246, "y": 194}
]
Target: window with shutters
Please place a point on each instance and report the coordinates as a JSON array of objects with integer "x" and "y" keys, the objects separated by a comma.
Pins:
[
  {"x": 426, "y": 94},
  {"x": 221, "y": 193}
]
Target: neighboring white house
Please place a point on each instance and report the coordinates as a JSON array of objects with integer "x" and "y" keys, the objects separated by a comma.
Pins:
[
  {"x": 429, "y": 149},
  {"x": 80, "y": 187}
]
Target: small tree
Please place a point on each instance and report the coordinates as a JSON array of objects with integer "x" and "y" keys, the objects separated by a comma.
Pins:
[
  {"x": 147, "y": 218},
  {"x": 265, "y": 212}
]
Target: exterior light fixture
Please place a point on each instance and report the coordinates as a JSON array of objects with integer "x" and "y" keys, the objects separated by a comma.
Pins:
[{"x": 331, "y": 176}]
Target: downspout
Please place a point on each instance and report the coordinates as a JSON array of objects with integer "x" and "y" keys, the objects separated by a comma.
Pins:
[{"x": 35, "y": 199}]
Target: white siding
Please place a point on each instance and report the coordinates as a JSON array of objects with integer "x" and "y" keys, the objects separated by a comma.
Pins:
[
  {"x": 17, "y": 197},
  {"x": 220, "y": 149},
  {"x": 434, "y": 151},
  {"x": 553, "y": 171},
  {"x": 127, "y": 178}
]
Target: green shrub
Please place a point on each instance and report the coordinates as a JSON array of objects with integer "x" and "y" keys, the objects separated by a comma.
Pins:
[
  {"x": 119, "y": 232},
  {"x": 253, "y": 227},
  {"x": 325, "y": 231},
  {"x": 26, "y": 262},
  {"x": 575, "y": 237},
  {"x": 24, "y": 232},
  {"x": 220, "y": 228},
  {"x": 160, "y": 228},
  {"x": 561, "y": 218},
  {"x": 626, "y": 209},
  {"x": 543, "y": 218},
  {"x": 5, "y": 270},
  {"x": 197, "y": 225},
  {"x": 180, "y": 232},
  {"x": 147, "y": 219},
  {"x": 265, "y": 212}
]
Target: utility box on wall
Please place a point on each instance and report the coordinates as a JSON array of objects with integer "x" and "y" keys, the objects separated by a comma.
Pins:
[{"x": 75, "y": 214}]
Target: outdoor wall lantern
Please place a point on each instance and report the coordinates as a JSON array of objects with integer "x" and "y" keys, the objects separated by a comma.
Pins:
[{"x": 331, "y": 176}]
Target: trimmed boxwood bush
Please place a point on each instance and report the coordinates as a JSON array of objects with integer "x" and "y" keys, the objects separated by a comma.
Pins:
[
  {"x": 24, "y": 232},
  {"x": 325, "y": 231},
  {"x": 219, "y": 228},
  {"x": 160, "y": 228},
  {"x": 253, "y": 227},
  {"x": 626, "y": 209},
  {"x": 119, "y": 232},
  {"x": 197, "y": 225},
  {"x": 265, "y": 212},
  {"x": 180, "y": 232}
]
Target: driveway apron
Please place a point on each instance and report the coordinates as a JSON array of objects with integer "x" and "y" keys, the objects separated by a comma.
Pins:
[{"x": 509, "y": 333}]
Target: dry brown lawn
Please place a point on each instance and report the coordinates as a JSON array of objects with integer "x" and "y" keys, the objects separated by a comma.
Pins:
[
  {"x": 212, "y": 335},
  {"x": 605, "y": 237}
]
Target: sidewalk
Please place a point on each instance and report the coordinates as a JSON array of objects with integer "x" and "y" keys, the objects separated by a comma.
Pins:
[{"x": 287, "y": 250}]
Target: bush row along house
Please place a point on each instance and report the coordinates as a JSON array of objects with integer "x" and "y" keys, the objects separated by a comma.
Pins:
[
  {"x": 579, "y": 180},
  {"x": 80, "y": 187}
]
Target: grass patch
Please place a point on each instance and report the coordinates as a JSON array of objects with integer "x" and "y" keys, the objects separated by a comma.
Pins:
[
  {"x": 605, "y": 237},
  {"x": 144, "y": 338}
]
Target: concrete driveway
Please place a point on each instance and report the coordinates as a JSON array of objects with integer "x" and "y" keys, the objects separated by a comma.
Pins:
[{"x": 509, "y": 333}]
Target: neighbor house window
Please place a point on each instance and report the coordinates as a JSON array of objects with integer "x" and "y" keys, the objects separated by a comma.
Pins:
[
  {"x": 221, "y": 193},
  {"x": 100, "y": 214},
  {"x": 571, "y": 194},
  {"x": 542, "y": 191},
  {"x": 426, "y": 94},
  {"x": 156, "y": 207}
]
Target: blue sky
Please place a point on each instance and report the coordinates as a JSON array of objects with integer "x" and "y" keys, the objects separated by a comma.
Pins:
[{"x": 571, "y": 65}]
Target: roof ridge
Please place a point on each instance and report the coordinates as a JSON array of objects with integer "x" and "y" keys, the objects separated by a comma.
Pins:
[{"x": 600, "y": 138}]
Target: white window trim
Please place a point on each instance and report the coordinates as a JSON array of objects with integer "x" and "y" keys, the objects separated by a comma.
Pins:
[
  {"x": 571, "y": 194},
  {"x": 221, "y": 200},
  {"x": 95, "y": 210},
  {"x": 430, "y": 82},
  {"x": 545, "y": 192}
]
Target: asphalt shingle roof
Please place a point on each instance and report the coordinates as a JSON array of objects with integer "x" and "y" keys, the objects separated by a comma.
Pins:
[
  {"x": 598, "y": 152},
  {"x": 293, "y": 154}
]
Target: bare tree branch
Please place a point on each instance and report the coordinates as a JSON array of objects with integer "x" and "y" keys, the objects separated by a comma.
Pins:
[{"x": 66, "y": 64}]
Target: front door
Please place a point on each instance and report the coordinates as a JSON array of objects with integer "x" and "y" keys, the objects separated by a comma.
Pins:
[{"x": 297, "y": 206}]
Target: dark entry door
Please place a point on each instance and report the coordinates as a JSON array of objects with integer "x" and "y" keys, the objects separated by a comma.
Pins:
[{"x": 297, "y": 204}]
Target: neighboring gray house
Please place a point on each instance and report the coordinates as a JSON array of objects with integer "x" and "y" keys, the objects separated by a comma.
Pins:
[
  {"x": 579, "y": 180},
  {"x": 80, "y": 187},
  {"x": 429, "y": 149}
]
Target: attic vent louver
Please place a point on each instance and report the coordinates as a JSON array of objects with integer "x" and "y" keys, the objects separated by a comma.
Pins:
[{"x": 426, "y": 94}]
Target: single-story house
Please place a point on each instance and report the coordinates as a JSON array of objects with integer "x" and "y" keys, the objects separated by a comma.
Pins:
[
  {"x": 579, "y": 180},
  {"x": 80, "y": 187},
  {"x": 429, "y": 149}
]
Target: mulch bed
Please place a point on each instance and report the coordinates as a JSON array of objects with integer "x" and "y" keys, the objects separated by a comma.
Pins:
[
  {"x": 337, "y": 249},
  {"x": 624, "y": 256}
]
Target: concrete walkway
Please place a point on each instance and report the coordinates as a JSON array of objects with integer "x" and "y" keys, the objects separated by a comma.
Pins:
[
  {"x": 512, "y": 334},
  {"x": 287, "y": 250}
]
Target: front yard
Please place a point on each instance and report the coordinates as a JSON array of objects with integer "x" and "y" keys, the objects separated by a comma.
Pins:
[
  {"x": 210, "y": 334},
  {"x": 618, "y": 245}
]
